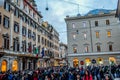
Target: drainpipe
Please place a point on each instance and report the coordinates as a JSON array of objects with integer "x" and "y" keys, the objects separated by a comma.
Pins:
[{"x": 91, "y": 35}]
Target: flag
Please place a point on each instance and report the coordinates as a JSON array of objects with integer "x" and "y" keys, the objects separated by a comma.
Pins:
[
  {"x": 30, "y": 49},
  {"x": 36, "y": 50},
  {"x": 42, "y": 52},
  {"x": 118, "y": 10}
]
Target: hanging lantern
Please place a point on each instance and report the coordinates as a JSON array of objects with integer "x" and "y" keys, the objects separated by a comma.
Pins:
[{"x": 47, "y": 8}]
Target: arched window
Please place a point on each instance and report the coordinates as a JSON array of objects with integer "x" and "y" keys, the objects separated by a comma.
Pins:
[
  {"x": 112, "y": 60},
  {"x": 87, "y": 61},
  {"x": 75, "y": 62},
  {"x": 100, "y": 60},
  {"x": 14, "y": 65},
  {"x": 4, "y": 66}
]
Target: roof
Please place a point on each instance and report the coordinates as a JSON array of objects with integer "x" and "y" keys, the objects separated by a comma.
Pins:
[
  {"x": 93, "y": 13},
  {"x": 97, "y": 11}
]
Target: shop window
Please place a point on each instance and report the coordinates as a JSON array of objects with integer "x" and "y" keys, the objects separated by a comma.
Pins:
[
  {"x": 100, "y": 61},
  {"x": 14, "y": 65},
  {"x": 75, "y": 62},
  {"x": 4, "y": 66},
  {"x": 87, "y": 61},
  {"x": 112, "y": 60}
]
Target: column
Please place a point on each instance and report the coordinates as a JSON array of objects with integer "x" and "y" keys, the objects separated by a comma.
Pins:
[
  {"x": 27, "y": 36},
  {"x": 20, "y": 64},
  {"x": 20, "y": 26},
  {"x": 11, "y": 26}
]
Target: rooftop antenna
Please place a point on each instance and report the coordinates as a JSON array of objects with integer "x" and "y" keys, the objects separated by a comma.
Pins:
[{"x": 46, "y": 6}]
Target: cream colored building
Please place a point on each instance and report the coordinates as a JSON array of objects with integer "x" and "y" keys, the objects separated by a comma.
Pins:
[
  {"x": 24, "y": 36},
  {"x": 63, "y": 54},
  {"x": 93, "y": 38}
]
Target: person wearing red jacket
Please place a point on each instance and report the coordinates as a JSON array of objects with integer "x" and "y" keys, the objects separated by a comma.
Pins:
[{"x": 87, "y": 75}]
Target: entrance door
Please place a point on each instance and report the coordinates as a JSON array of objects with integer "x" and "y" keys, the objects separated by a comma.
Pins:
[
  {"x": 75, "y": 62},
  {"x": 4, "y": 66},
  {"x": 14, "y": 65}
]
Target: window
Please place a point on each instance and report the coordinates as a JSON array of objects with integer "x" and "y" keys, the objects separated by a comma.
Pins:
[
  {"x": 84, "y": 24},
  {"x": 39, "y": 38},
  {"x": 6, "y": 6},
  {"x": 110, "y": 47},
  {"x": 96, "y": 23},
  {"x": 98, "y": 48},
  {"x": 74, "y": 36},
  {"x": 15, "y": 45},
  {"x": 109, "y": 33},
  {"x": 107, "y": 22},
  {"x": 29, "y": 33},
  {"x": 16, "y": 27},
  {"x": 85, "y": 36},
  {"x": 24, "y": 31},
  {"x": 16, "y": 1},
  {"x": 6, "y": 22},
  {"x": 97, "y": 34},
  {"x": 34, "y": 36},
  {"x": 86, "y": 49},
  {"x": 16, "y": 13},
  {"x": 73, "y": 25},
  {"x": 74, "y": 50},
  {"x": 30, "y": 47},
  {"x": 42, "y": 40},
  {"x": 24, "y": 46},
  {"x": 6, "y": 42}
]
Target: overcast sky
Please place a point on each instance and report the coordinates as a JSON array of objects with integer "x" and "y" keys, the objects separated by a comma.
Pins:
[{"x": 58, "y": 9}]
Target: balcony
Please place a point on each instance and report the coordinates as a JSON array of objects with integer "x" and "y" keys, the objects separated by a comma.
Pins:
[{"x": 17, "y": 53}]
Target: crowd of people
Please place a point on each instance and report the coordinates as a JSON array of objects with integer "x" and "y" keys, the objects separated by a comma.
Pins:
[{"x": 65, "y": 73}]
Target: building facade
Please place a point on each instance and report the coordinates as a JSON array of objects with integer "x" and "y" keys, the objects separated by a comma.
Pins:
[
  {"x": 93, "y": 38},
  {"x": 63, "y": 54},
  {"x": 26, "y": 42}
]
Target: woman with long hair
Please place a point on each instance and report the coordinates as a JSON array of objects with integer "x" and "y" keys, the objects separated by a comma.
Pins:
[{"x": 87, "y": 75}]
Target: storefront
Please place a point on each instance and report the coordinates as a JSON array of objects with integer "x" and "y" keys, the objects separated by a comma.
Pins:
[
  {"x": 87, "y": 61},
  {"x": 75, "y": 62},
  {"x": 15, "y": 65},
  {"x": 4, "y": 66}
]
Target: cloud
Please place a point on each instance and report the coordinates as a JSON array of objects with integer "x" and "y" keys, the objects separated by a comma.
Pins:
[{"x": 58, "y": 9}]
